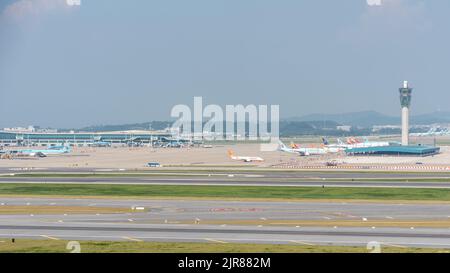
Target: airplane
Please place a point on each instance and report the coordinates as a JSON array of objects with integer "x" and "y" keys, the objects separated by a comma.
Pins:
[
  {"x": 352, "y": 140},
  {"x": 175, "y": 143},
  {"x": 301, "y": 151},
  {"x": 101, "y": 144},
  {"x": 435, "y": 131},
  {"x": 368, "y": 143},
  {"x": 244, "y": 158},
  {"x": 444, "y": 132},
  {"x": 334, "y": 148},
  {"x": 45, "y": 152},
  {"x": 430, "y": 132},
  {"x": 354, "y": 143},
  {"x": 18, "y": 153}
]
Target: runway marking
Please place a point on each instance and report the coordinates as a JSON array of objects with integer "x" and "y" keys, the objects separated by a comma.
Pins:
[
  {"x": 216, "y": 241},
  {"x": 400, "y": 246},
  {"x": 49, "y": 237},
  {"x": 230, "y": 239},
  {"x": 132, "y": 239},
  {"x": 302, "y": 243}
]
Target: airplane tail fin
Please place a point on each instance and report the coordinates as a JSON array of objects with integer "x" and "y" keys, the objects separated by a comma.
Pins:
[
  {"x": 294, "y": 146},
  {"x": 340, "y": 141},
  {"x": 325, "y": 141},
  {"x": 281, "y": 145},
  {"x": 230, "y": 153}
]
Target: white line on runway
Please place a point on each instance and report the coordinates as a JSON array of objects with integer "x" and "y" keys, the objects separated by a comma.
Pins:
[
  {"x": 232, "y": 239},
  {"x": 132, "y": 239},
  {"x": 49, "y": 237},
  {"x": 216, "y": 241},
  {"x": 400, "y": 246},
  {"x": 302, "y": 243}
]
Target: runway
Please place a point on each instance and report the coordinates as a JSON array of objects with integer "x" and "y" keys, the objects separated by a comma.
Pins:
[
  {"x": 227, "y": 181},
  {"x": 267, "y": 173},
  {"x": 190, "y": 221},
  {"x": 393, "y": 223},
  {"x": 403, "y": 238}
]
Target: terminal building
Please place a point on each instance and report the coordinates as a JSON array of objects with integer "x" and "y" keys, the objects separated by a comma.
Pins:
[
  {"x": 80, "y": 138},
  {"x": 405, "y": 149},
  {"x": 395, "y": 150}
]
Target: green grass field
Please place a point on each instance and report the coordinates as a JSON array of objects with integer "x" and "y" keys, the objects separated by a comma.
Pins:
[
  {"x": 59, "y": 246},
  {"x": 226, "y": 192}
]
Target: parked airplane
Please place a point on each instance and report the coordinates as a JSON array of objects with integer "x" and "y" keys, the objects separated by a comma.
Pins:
[
  {"x": 434, "y": 132},
  {"x": 174, "y": 143},
  {"x": 301, "y": 151},
  {"x": 354, "y": 143},
  {"x": 244, "y": 158},
  {"x": 45, "y": 152},
  {"x": 339, "y": 146},
  {"x": 101, "y": 144},
  {"x": 368, "y": 143},
  {"x": 18, "y": 153}
]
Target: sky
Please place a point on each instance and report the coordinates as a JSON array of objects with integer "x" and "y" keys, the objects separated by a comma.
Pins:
[{"x": 116, "y": 61}]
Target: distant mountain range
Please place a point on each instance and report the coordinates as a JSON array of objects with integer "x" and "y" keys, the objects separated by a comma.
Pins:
[
  {"x": 287, "y": 128},
  {"x": 370, "y": 118},
  {"x": 313, "y": 124},
  {"x": 154, "y": 125}
]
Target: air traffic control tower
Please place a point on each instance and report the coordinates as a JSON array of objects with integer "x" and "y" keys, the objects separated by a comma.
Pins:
[{"x": 405, "y": 101}]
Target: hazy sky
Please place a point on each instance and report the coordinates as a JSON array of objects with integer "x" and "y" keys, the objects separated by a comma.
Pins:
[{"x": 117, "y": 61}]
